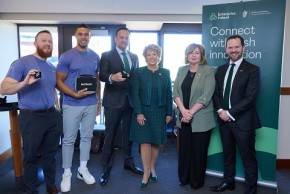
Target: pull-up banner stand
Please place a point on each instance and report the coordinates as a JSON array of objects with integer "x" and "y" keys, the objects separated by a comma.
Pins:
[{"x": 261, "y": 24}]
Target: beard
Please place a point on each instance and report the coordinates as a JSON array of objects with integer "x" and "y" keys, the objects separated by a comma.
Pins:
[
  {"x": 235, "y": 56},
  {"x": 42, "y": 53}
]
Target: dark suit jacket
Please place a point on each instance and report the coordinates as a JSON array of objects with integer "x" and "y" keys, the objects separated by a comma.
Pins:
[
  {"x": 245, "y": 91},
  {"x": 115, "y": 93}
]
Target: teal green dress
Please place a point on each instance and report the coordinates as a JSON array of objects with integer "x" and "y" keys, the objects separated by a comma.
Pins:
[{"x": 152, "y": 97}]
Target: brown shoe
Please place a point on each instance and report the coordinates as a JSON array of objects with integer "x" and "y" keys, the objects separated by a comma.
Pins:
[{"x": 53, "y": 190}]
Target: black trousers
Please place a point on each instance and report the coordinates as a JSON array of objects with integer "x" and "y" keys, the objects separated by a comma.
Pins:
[
  {"x": 114, "y": 117},
  {"x": 192, "y": 158},
  {"x": 40, "y": 134},
  {"x": 232, "y": 136}
]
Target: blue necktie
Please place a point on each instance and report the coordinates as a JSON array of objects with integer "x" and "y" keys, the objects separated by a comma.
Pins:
[
  {"x": 226, "y": 100},
  {"x": 126, "y": 62}
]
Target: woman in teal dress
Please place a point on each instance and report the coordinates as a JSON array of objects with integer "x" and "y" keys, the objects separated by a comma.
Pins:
[{"x": 152, "y": 102}]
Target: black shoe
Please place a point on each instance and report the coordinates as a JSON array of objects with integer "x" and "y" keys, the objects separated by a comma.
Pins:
[
  {"x": 53, "y": 190},
  {"x": 222, "y": 187},
  {"x": 134, "y": 169},
  {"x": 153, "y": 178},
  {"x": 104, "y": 179},
  {"x": 196, "y": 187},
  {"x": 183, "y": 184},
  {"x": 143, "y": 185}
]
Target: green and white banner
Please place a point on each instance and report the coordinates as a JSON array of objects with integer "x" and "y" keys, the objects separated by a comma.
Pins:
[{"x": 261, "y": 24}]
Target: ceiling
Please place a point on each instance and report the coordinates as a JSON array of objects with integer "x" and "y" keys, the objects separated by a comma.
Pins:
[{"x": 136, "y": 14}]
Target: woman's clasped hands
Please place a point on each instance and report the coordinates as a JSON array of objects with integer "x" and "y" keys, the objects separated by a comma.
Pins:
[{"x": 186, "y": 116}]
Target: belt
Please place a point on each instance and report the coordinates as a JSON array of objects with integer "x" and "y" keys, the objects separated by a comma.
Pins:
[{"x": 38, "y": 111}]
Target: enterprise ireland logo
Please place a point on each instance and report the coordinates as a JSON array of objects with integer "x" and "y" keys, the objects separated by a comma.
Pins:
[
  {"x": 213, "y": 17},
  {"x": 221, "y": 16}
]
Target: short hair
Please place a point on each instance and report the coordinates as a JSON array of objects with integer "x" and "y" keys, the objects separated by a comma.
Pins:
[
  {"x": 40, "y": 32},
  {"x": 190, "y": 48},
  {"x": 155, "y": 48},
  {"x": 83, "y": 26},
  {"x": 234, "y": 37},
  {"x": 122, "y": 28}
]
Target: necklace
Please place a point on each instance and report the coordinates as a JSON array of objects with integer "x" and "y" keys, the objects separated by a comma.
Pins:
[{"x": 192, "y": 74}]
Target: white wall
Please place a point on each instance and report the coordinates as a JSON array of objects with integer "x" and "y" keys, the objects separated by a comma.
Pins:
[
  {"x": 8, "y": 53},
  {"x": 284, "y": 126}
]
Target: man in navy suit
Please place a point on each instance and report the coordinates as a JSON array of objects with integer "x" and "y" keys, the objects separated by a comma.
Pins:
[
  {"x": 117, "y": 101},
  {"x": 238, "y": 117}
]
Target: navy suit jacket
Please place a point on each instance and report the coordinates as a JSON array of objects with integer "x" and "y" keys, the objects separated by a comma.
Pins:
[
  {"x": 115, "y": 93},
  {"x": 245, "y": 91}
]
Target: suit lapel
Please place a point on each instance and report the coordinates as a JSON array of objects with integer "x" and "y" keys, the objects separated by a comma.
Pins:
[
  {"x": 133, "y": 61},
  {"x": 223, "y": 73},
  {"x": 118, "y": 58},
  {"x": 239, "y": 74},
  {"x": 181, "y": 78}
]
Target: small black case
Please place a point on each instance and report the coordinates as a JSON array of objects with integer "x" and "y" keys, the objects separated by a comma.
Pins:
[{"x": 86, "y": 81}]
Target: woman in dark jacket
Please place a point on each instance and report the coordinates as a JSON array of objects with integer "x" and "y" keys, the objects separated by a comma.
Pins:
[{"x": 152, "y": 102}]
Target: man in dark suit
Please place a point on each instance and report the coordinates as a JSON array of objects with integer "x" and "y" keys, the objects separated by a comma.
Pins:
[
  {"x": 237, "y": 115},
  {"x": 116, "y": 70}
]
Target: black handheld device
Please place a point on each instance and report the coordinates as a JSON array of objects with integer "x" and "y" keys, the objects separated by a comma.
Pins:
[
  {"x": 124, "y": 74},
  {"x": 37, "y": 75}
]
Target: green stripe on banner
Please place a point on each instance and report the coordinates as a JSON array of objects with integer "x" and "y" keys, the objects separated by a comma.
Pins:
[
  {"x": 264, "y": 134},
  {"x": 266, "y": 140}
]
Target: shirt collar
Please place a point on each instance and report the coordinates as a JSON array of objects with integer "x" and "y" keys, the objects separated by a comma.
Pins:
[
  {"x": 237, "y": 63},
  {"x": 120, "y": 51}
]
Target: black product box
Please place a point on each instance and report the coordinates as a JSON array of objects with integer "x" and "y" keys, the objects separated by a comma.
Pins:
[{"x": 88, "y": 82}]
